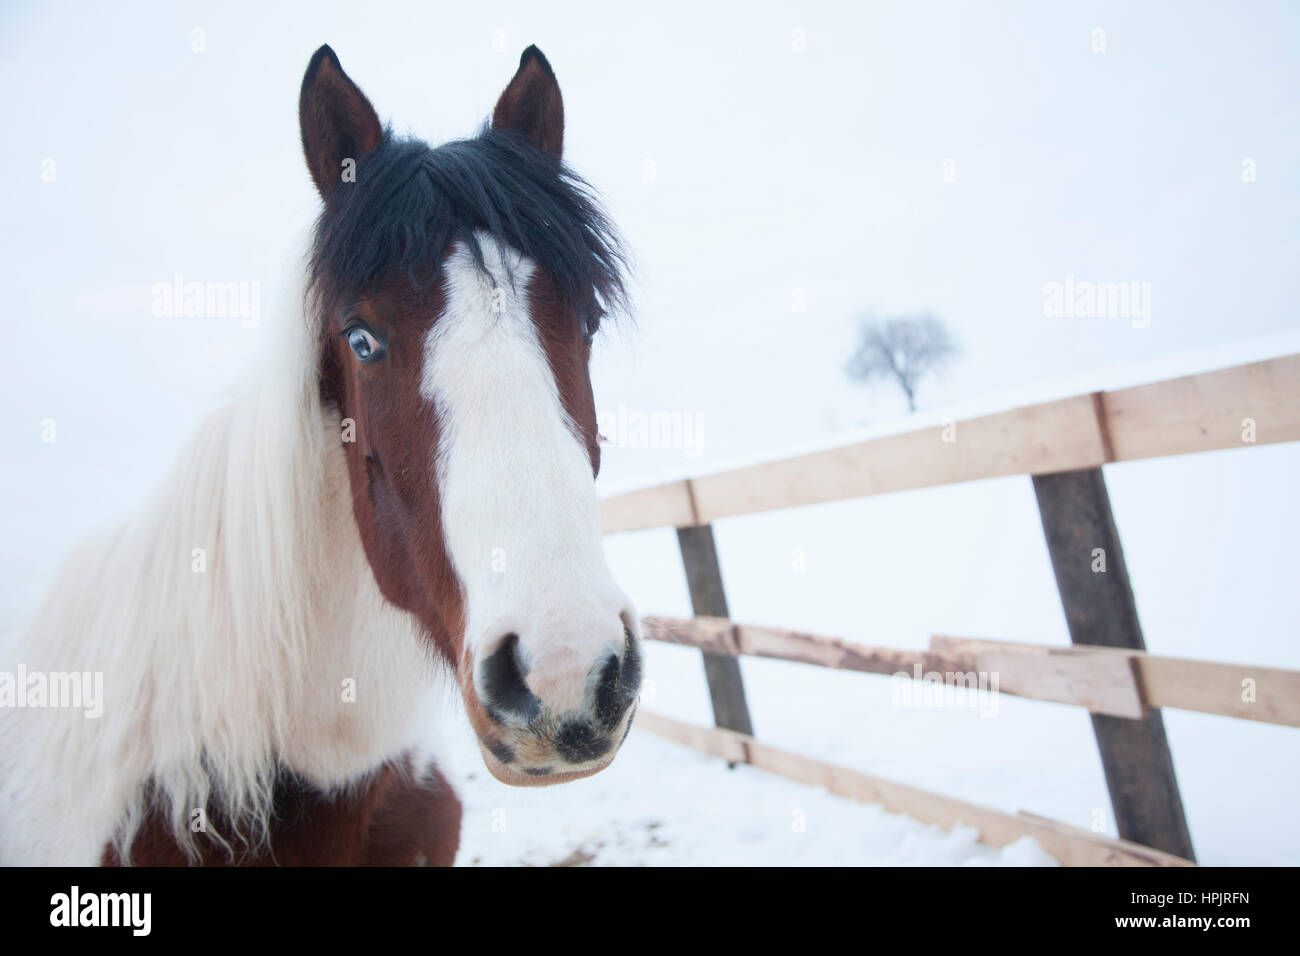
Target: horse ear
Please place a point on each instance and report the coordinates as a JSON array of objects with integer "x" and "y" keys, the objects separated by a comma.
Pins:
[
  {"x": 531, "y": 104},
  {"x": 337, "y": 121}
]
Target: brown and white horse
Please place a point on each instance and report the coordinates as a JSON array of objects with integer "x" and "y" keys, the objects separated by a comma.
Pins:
[{"x": 407, "y": 492}]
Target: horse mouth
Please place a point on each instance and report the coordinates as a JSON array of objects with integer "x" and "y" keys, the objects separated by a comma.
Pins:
[
  {"x": 529, "y": 760},
  {"x": 543, "y": 775}
]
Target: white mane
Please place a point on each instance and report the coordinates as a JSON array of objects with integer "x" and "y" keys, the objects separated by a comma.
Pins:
[{"x": 214, "y": 679}]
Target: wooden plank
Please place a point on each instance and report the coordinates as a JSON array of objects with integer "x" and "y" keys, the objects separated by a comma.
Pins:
[
  {"x": 1245, "y": 691},
  {"x": 716, "y": 635},
  {"x": 1269, "y": 694},
  {"x": 1192, "y": 414},
  {"x": 1104, "y": 683},
  {"x": 1088, "y": 563},
  {"x": 721, "y": 670},
  {"x": 830, "y": 652},
  {"x": 1068, "y": 845},
  {"x": 729, "y": 745},
  {"x": 663, "y": 506},
  {"x": 1050, "y": 436},
  {"x": 1039, "y": 437},
  {"x": 721, "y": 636},
  {"x": 1104, "y": 680},
  {"x": 1206, "y": 411},
  {"x": 1101, "y": 683}
]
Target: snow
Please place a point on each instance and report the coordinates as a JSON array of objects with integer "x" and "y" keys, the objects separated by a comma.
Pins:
[
  {"x": 776, "y": 176},
  {"x": 970, "y": 560},
  {"x": 698, "y": 812}
]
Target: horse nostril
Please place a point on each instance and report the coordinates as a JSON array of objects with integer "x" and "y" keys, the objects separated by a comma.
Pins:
[
  {"x": 631, "y": 676},
  {"x": 608, "y": 710},
  {"x": 619, "y": 683},
  {"x": 505, "y": 695}
]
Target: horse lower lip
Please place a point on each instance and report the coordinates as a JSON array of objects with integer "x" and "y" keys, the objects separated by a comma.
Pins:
[{"x": 543, "y": 775}]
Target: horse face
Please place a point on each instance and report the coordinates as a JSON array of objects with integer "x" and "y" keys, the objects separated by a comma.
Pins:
[{"x": 470, "y": 427}]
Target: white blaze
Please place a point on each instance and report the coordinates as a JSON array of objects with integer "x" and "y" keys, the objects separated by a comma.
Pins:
[{"x": 520, "y": 515}]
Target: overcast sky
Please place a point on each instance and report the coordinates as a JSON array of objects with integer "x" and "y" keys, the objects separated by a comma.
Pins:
[{"x": 856, "y": 157}]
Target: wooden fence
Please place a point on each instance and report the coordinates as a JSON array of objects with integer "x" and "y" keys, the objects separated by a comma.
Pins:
[{"x": 1062, "y": 445}]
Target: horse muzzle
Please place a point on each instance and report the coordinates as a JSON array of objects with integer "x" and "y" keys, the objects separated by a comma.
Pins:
[{"x": 550, "y": 714}]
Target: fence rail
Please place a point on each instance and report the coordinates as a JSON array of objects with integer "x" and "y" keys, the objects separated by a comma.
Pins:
[
  {"x": 1103, "y": 680},
  {"x": 1063, "y": 446},
  {"x": 1068, "y": 845},
  {"x": 1197, "y": 413}
]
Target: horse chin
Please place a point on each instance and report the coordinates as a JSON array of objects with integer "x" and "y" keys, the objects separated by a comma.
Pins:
[{"x": 515, "y": 778}]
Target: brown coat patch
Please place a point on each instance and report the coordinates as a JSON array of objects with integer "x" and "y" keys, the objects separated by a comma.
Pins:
[{"x": 393, "y": 819}]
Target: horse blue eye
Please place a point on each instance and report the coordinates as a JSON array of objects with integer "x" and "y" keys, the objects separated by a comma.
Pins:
[{"x": 364, "y": 345}]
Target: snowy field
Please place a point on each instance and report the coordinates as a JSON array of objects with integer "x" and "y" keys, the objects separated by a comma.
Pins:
[
  {"x": 660, "y": 804},
  {"x": 770, "y": 198}
]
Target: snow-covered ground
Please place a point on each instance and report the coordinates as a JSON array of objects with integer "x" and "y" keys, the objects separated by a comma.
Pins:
[
  {"x": 660, "y": 804},
  {"x": 770, "y": 196},
  {"x": 1208, "y": 544}
]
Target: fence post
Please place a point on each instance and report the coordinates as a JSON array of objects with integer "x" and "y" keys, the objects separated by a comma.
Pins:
[
  {"x": 704, "y": 578},
  {"x": 1100, "y": 609}
]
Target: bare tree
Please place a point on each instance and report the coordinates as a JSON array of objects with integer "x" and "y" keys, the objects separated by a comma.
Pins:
[{"x": 904, "y": 349}]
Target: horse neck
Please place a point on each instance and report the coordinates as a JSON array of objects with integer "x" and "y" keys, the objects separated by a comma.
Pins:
[
  {"x": 285, "y": 653},
  {"x": 239, "y": 630},
  {"x": 349, "y": 669}
]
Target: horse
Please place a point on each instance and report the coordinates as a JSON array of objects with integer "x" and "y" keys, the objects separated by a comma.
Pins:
[{"x": 401, "y": 501}]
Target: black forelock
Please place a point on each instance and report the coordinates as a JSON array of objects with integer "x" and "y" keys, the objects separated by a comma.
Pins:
[{"x": 409, "y": 201}]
